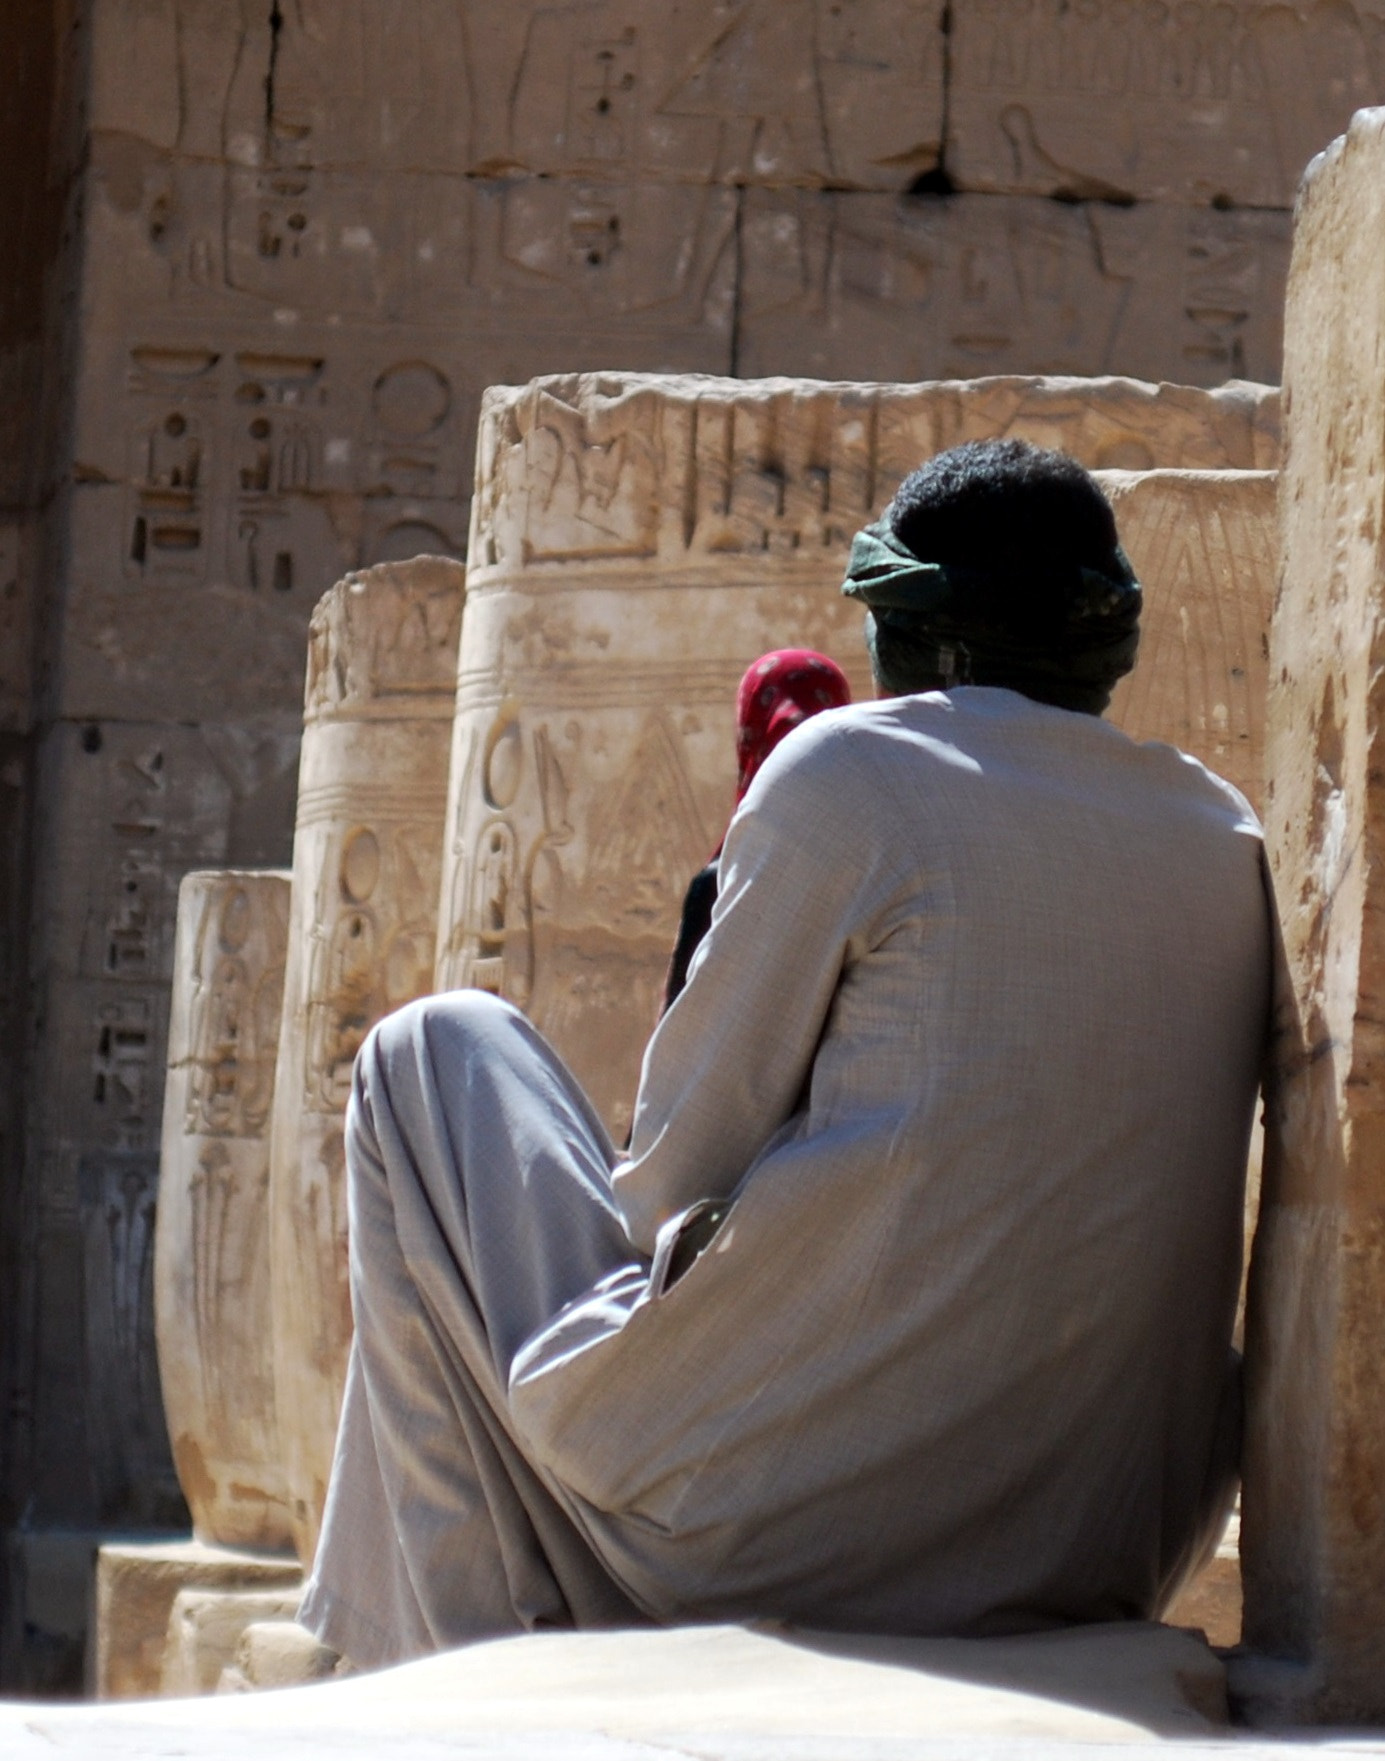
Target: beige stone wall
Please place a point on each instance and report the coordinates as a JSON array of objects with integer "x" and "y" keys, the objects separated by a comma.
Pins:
[
  {"x": 1314, "y": 1529},
  {"x": 636, "y": 542}
]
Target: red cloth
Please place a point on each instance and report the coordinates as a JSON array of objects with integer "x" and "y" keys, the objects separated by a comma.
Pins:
[{"x": 779, "y": 691}]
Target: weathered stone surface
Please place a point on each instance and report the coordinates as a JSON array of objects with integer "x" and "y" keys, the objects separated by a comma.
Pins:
[
  {"x": 283, "y": 368},
  {"x": 204, "y": 1634},
  {"x": 788, "y": 92},
  {"x": 279, "y": 1654},
  {"x": 1197, "y": 103},
  {"x": 136, "y": 1585},
  {"x": 1204, "y": 544},
  {"x": 721, "y": 1692},
  {"x": 366, "y": 857},
  {"x": 881, "y": 287},
  {"x": 1313, "y": 1532},
  {"x": 149, "y": 623},
  {"x": 592, "y": 757},
  {"x": 211, "y": 1264},
  {"x": 126, "y": 808}
]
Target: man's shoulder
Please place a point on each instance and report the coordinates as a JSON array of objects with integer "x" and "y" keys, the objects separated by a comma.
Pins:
[{"x": 839, "y": 737}]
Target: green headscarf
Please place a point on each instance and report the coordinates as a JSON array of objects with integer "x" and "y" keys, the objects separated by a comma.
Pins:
[{"x": 982, "y": 628}]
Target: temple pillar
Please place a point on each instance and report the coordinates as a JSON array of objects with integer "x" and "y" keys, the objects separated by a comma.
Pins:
[
  {"x": 211, "y": 1253},
  {"x": 366, "y": 858},
  {"x": 1313, "y": 1528}
]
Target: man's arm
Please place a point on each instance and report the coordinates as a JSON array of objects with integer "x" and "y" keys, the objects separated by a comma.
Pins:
[{"x": 729, "y": 1062}]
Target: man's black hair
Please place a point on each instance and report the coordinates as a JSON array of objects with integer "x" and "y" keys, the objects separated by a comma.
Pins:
[
  {"x": 1028, "y": 517},
  {"x": 1005, "y": 505}
]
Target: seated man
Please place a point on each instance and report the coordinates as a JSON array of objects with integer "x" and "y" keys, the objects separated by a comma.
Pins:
[{"x": 970, "y": 1054}]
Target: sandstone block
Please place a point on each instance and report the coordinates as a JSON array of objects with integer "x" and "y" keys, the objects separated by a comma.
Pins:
[
  {"x": 1313, "y": 1528},
  {"x": 636, "y": 543},
  {"x": 204, "y": 1634},
  {"x": 1204, "y": 543},
  {"x": 281, "y": 376},
  {"x": 367, "y": 851},
  {"x": 136, "y": 1586},
  {"x": 1199, "y": 103},
  {"x": 279, "y": 1654},
  {"x": 783, "y": 93},
  {"x": 876, "y": 287},
  {"x": 126, "y": 808},
  {"x": 211, "y": 1266},
  {"x": 145, "y": 591}
]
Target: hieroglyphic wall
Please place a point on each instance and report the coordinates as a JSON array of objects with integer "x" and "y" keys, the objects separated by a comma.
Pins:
[
  {"x": 1221, "y": 104},
  {"x": 637, "y": 542},
  {"x": 307, "y": 233}
]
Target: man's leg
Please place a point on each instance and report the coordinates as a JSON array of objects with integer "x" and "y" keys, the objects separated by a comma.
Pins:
[{"x": 479, "y": 1204}]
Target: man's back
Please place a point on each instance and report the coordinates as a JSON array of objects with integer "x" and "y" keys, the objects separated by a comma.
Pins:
[{"x": 974, "y": 1041}]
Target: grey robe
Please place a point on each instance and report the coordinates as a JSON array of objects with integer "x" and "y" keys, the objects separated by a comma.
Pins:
[{"x": 973, "y": 1046}]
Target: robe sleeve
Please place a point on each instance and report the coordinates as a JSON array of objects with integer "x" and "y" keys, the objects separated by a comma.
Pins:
[{"x": 729, "y": 1063}]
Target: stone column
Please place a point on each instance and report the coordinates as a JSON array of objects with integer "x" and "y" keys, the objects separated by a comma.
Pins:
[
  {"x": 1313, "y": 1530},
  {"x": 1205, "y": 546},
  {"x": 636, "y": 542},
  {"x": 211, "y": 1252},
  {"x": 366, "y": 857}
]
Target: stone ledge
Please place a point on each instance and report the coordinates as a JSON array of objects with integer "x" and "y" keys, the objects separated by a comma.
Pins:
[
  {"x": 137, "y": 1584},
  {"x": 741, "y": 1692}
]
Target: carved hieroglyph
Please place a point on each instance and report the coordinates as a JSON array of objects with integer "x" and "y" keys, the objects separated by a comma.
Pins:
[
  {"x": 211, "y": 1266},
  {"x": 868, "y": 287},
  {"x": 1197, "y": 101},
  {"x": 366, "y": 857},
  {"x": 637, "y": 542},
  {"x": 1313, "y": 1532},
  {"x": 1204, "y": 546}
]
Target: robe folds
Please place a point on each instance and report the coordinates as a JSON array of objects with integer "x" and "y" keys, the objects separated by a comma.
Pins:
[{"x": 971, "y": 1051}]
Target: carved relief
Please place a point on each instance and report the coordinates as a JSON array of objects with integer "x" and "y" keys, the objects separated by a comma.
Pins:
[
  {"x": 566, "y": 903},
  {"x": 1194, "y": 101},
  {"x": 1205, "y": 546},
  {"x": 226, "y": 454},
  {"x": 580, "y": 253},
  {"x": 234, "y": 1029},
  {"x": 625, "y": 466},
  {"x": 212, "y": 1254},
  {"x": 117, "y": 1190},
  {"x": 367, "y": 867},
  {"x": 385, "y": 634},
  {"x": 863, "y": 287},
  {"x": 167, "y": 525},
  {"x": 277, "y": 458},
  {"x": 775, "y": 91}
]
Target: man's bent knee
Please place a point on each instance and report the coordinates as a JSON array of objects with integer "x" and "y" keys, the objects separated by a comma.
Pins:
[{"x": 409, "y": 1032}]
